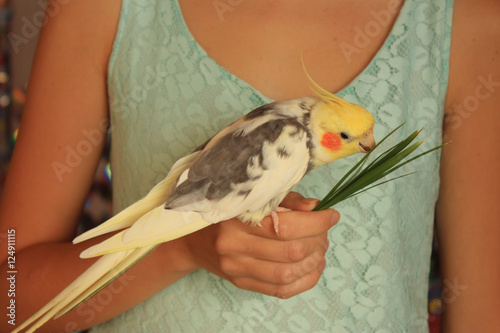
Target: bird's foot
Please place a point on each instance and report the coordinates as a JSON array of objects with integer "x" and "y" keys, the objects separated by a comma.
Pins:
[{"x": 275, "y": 218}]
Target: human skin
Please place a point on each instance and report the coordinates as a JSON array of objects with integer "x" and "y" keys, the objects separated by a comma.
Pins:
[{"x": 67, "y": 94}]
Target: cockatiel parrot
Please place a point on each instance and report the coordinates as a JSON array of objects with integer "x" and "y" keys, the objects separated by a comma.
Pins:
[{"x": 244, "y": 171}]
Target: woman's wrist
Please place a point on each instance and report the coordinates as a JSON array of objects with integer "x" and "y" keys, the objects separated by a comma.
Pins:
[{"x": 177, "y": 256}]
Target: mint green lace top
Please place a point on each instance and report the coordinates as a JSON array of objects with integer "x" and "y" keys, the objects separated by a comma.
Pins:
[{"x": 167, "y": 96}]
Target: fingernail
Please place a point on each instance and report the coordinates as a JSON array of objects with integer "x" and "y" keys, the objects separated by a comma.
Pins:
[
  {"x": 335, "y": 217},
  {"x": 311, "y": 202}
]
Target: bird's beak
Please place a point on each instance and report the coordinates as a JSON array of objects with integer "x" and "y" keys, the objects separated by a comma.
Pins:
[{"x": 367, "y": 141}]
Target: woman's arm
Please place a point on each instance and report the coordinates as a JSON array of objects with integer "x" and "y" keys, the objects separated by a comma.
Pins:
[
  {"x": 47, "y": 181},
  {"x": 48, "y": 178},
  {"x": 47, "y": 186},
  {"x": 468, "y": 211}
]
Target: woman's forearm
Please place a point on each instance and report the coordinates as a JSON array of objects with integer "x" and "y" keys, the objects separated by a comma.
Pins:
[{"x": 43, "y": 270}]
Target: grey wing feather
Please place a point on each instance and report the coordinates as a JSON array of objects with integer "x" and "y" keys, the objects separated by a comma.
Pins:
[{"x": 218, "y": 169}]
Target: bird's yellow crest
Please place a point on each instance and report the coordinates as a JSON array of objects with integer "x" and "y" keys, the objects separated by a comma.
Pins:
[
  {"x": 324, "y": 94},
  {"x": 358, "y": 118}
]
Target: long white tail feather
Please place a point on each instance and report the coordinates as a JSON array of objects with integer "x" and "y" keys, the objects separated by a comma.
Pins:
[
  {"x": 125, "y": 218},
  {"x": 115, "y": 262},
  {"x": 119, "y": 253},
  {"x": 108, "y": 278},
  {"x": 155, "y": 197},
  {"x": 84, "y": 281},
  {"x": 157, "y": 226},
  {"x": 160, "y": 221}
]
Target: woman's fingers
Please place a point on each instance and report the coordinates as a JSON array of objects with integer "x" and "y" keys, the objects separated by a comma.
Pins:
[
  {"x": 300, "y": 222},
  {"x": 270, "y": 249},
  {"x": 271, "y": 271},
  {"x": 283, "y": 291},
  {"x": 256, "y": 258},
  {"x": 297, "y": 224},
  {"x": 295, "y": 201}
]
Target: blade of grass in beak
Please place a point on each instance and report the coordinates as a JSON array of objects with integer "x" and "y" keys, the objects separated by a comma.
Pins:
[
  {"x": 355, "y": 170},
  {"x": 414, "y": 158},
  {"x": 369, "y": 177},
  {"x": 371, "y": 151},
  {"x": 361, "y": 178},
  {"x": 339, "y": 183},
  {"x": 381, "y": 183},
  {"x": 379, "y": 143},
  {"x": 374, "y": 173},
  {"x": 380, "y": 170},
  {"x": 388, "y": 155},
  {"x": 388, "y": 135},
  {"x": 395, "y": 150}
]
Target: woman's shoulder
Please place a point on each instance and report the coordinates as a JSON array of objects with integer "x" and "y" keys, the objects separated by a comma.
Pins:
[
  {"x": 90, "y": 24},
  {"x": 475, "y": 48}
]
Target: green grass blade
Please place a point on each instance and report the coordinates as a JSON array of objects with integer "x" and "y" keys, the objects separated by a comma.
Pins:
[
  {"x": 361, "y": 178},
  {"x": 387, "y": 155},
  {"x": 414, "y": 158},
  {"x": 381, "y": 183},
  {"x": 356, "y": 171},
  {"x": 389, "y": 151},
  {"x": 388, "y": 135},
  {"x": 396, "y": 149},
  {"x": 335, "y": 189},
  {"x": 352, "y": 170},
  {"x": 376, "y": 173}
]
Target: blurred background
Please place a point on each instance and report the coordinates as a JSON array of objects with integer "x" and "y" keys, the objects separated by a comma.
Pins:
[{"x": 20, "y": 23}]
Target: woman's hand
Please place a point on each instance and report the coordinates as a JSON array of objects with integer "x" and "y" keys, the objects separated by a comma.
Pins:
[{"x": 257, "y": 259}]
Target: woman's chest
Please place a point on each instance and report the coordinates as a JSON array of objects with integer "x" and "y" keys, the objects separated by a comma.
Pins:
[{"x": 262, "y": 41}]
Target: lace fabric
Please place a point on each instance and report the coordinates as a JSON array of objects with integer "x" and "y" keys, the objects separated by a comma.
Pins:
[{"x": 167, "y": 97}]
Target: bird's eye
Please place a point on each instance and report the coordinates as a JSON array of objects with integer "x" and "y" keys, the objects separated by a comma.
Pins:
[{"x": 344, "y": 135}]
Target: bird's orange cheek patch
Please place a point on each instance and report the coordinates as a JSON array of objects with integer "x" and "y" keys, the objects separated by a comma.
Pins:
[{"x": 331, "y": 141}]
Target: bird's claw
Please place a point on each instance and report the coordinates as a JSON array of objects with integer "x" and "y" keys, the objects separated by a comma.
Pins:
[{"x": 276, "y": 220}]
